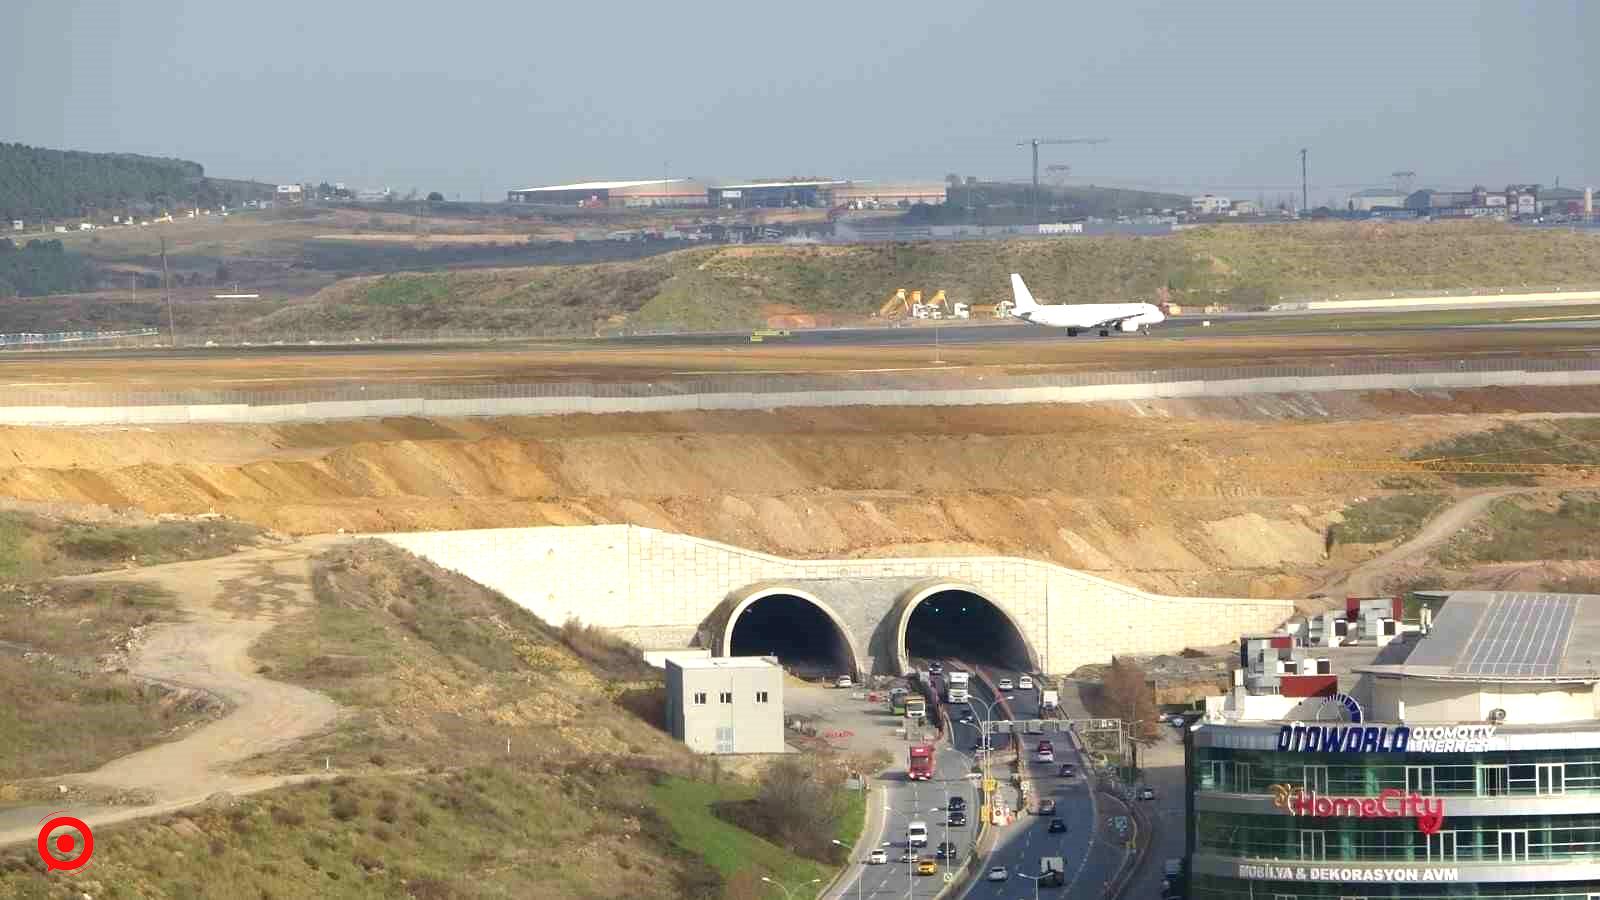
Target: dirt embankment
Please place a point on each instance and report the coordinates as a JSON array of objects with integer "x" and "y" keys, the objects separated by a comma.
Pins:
[{"x": 1165, "y": 495}]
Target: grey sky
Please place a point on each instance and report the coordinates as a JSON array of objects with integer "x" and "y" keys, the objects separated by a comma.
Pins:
[{"x": 471, "y": 95}]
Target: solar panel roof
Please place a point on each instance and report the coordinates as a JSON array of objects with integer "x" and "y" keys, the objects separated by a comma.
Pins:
[
  {"x": 1509, "y": 635},
  {"x": 1520, "y": 634}
]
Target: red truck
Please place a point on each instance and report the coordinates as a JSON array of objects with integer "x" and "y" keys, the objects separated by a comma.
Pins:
[{"x": 921, "y": 763}]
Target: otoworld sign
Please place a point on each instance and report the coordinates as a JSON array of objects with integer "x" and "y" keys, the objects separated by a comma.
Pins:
[
  {"x": 1384, "y": 739},
  {"x": 1389, "y": 804}
]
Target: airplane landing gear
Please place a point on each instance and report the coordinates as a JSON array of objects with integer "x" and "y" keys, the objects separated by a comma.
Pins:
[
  {"x": 1105, "y": 332},
  {"x": 1072, "y": 332}
]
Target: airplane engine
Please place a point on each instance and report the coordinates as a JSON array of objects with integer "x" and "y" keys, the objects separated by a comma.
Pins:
[{"x": 1129, "y": 325}]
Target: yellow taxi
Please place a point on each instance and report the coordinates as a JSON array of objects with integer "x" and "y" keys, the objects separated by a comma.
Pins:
[{"x": 927, "y": 867}]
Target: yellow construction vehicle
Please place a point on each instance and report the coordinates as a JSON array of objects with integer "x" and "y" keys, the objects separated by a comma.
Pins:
[
  {"x": 896, "y": 306},
  {"x": 761, "y": 334}
]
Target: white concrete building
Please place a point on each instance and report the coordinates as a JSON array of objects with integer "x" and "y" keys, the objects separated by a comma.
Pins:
[
  {"x": 726, "y": 704},
  {"x": 1209, "y": 205}
]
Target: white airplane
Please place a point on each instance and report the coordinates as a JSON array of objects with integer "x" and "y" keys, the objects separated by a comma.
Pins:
[{"x": 1075, "y": 317}]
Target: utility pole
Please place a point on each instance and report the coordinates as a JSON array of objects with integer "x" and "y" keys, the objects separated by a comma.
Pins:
[
  {"x": 1304, "y": 204},
  {"x": 166, "y": 288}
]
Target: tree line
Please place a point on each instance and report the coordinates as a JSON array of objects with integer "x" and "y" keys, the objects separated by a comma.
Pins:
[
  {"x": 37, "y": 183},
  {"x": 41, "y": 267}
]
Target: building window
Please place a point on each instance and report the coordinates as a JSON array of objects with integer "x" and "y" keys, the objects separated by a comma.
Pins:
[
  {"x": 761, "y": 696},
  {"x": 725, "y": 697},
  {"x": 700, "y": 698}
]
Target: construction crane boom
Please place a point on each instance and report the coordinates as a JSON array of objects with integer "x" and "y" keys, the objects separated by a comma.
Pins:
[{"x": 1036, "y": 143}]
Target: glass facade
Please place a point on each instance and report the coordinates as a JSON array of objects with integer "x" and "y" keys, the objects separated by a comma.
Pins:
[
  {"x": 1490, "y": 774},
  {"x": 1481, "y": 842}
]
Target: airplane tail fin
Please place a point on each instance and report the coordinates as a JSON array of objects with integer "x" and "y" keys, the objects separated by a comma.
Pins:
[{"x": 1019, "y": 294}]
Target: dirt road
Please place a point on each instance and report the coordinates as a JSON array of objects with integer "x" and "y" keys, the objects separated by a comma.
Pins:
[
  {"x": 1367, "y": 578},
  {"x": 227, "y": 603}
]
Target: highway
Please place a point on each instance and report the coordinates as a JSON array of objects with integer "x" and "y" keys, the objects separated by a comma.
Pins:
[{"x": 1091, "y": 861}]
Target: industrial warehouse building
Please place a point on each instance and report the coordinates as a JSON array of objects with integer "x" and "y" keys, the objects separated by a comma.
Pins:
[
  {"x": 689, "y": 192},
  {"x": 726, "y": 704},
  {"x": 1461, "y": 757},
  {"x": 616, "y": 194}
]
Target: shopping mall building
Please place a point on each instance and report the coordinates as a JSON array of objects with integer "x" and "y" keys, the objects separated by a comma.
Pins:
[{"x": 1359, "y": 755}]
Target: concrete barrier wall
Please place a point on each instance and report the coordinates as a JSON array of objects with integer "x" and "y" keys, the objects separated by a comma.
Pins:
[
  {"x": 659, "y": 589},
  {"x": 422, "y": 405}
]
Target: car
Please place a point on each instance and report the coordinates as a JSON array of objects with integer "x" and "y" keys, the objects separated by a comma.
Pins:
[
  {"x": 1177, "y": 721},
  {"x": 998, "y": 873},
  {"x": 877, "y": 858},
  {"x": 1047, "y": 807},
  {"x": 935, "y": 668},
  {"x": 1068, "y": 770},
  {"x": 947, "y": 850},
  {"x": 927, "y": 867},
  {"x": 967, "y": 718},
  {"x": 1057, "y": 826},
  {"x": 1047, "y": 756},
  {"x": 1025, "y": 683},
  {"x": 1003, "y": 684},
  {"x": 957, "y": 820},
  {"x": 956, "y": 804},
  {"x": 1147, "y": 793},
  {"x": 909, "y": 856},
  {"x": 844, "y": 681}
]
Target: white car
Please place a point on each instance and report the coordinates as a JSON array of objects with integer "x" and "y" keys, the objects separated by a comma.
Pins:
[
  {"x": 1003, "y": 684},
  {"x": 1047, "y": 756},
  {"x": 877, "y": 857},
  {"x": 999, "y": 873},
  {"x": 844, "y": 682},
  {"x": 1147, "y": 794},
  {"x": 1025, "y": 683}
]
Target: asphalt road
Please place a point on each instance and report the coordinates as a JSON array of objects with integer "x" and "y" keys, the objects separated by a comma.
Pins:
[
  {"x": 905, "y": 801},
  {"x": 1090, "y": 860}
]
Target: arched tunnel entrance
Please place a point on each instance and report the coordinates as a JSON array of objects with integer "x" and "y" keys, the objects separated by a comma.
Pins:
[
  {"x": 950, "y": 622},
  {"x": 807, "y": 637}
]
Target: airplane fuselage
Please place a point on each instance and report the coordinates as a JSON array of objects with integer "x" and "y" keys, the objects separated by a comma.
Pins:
[{"x": 1092, "y": 315}]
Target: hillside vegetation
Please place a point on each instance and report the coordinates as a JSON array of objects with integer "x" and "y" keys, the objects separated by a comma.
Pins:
[
  {"x": 36, "y": 182},
  {"x": 734, "y": 287}
]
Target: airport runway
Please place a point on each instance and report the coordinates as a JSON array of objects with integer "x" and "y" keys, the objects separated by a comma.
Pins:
[{"x": 880, "y": 336}]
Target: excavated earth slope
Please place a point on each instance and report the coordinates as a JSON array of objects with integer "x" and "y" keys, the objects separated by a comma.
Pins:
[{"x": 1191, "y": 496}]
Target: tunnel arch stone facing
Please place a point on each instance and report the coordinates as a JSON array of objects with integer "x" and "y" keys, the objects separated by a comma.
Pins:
[
  {"x": 723, "y": 620},
  {"x": 912, "y": 598}
]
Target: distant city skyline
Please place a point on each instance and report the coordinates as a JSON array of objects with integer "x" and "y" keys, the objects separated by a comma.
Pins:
[{"x": 479, "y": 98}]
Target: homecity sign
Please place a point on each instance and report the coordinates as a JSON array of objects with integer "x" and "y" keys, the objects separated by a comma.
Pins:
[{"x": 1389, "y": 804}]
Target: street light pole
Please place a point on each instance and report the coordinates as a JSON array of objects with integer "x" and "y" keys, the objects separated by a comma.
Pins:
[
  {"x": 859, "y": 878},
  {"x": 1035, "y": 879},
  {"x": 780, "y": 885}
]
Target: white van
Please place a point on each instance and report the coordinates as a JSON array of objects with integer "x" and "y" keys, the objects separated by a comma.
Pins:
[{"x": 917, "y": 833}]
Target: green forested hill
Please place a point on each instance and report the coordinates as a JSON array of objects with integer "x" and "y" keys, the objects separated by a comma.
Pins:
[{"x": 36, "y": 183}]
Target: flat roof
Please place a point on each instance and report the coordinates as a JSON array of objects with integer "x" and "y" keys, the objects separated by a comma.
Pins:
[
  {"x": 774, "y": 184},
  {"x": 1508, "y": 636},
  {"x": 600, "y": 185},
  {"x": 724, "y": 662}
]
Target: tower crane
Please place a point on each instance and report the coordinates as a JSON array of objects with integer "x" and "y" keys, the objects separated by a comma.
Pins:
[{"x": 1036, "y": 143}]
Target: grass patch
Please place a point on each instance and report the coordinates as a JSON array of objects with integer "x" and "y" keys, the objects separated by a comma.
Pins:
[
  {"x": 488, "y": 832},
  {"x": 1525, "y": 529},
  {"x": 440, "y": 671},
  {"x": 1566, "y": 441},
  {"x": 1377, "y": 520},
  {"x": 407, "y": 290},
  {"x": 33, "y": 547},
  {"x": 107, "y": 715},
  {"x": 79, "y": 621},
  {"x": 1572, "y": 584},
  {"x": 689, "y": 807}
]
